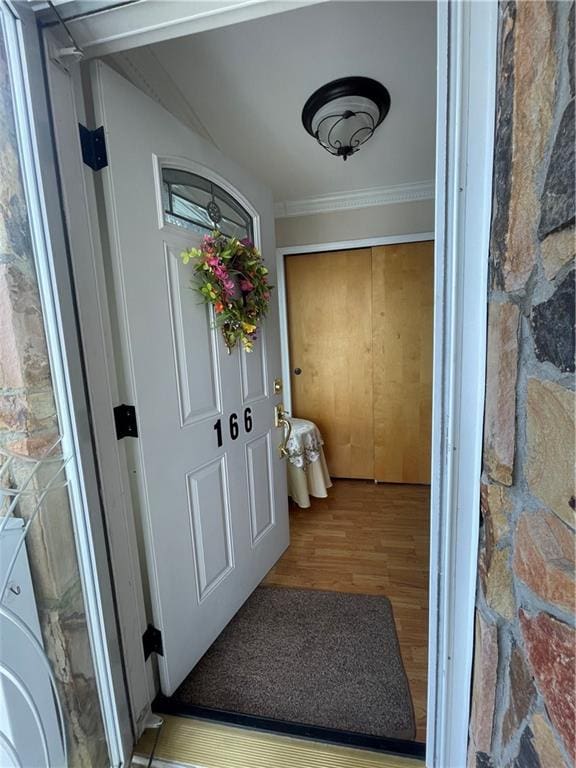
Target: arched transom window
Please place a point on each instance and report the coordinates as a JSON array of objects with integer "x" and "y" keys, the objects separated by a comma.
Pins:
[{"x": 193, "y": 202}]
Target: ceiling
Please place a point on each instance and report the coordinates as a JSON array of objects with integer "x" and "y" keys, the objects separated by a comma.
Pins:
[{"x": 245, "y": 86}]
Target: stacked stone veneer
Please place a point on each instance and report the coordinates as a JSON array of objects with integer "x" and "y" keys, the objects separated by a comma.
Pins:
[
  {"x": 524, "y": 681},
  {"x": 28, "y": 425}
]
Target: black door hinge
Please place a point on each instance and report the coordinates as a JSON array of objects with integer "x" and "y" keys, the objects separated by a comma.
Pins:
[
  {"x": 152, "y": 641},
  {"x": 93, "y": 145},
  {"x": 125, "y": 420}
]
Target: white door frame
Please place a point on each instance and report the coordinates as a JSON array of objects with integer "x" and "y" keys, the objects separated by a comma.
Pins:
[
  {"x": 466, "y": 112},
  {"x": 467, "y": 43},
  {"x": 340, "y": 245},
  {"x": 80, "y": 206}
]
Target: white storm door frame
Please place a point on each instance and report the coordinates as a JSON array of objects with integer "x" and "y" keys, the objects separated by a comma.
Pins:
[
  {"x": 467, "y": 49},
  {"x": 49, "y": 243}
]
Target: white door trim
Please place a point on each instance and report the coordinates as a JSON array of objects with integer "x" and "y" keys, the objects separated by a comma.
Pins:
[
  {"x": 467, "y": 46},
  {"x": 467, "y": 68},
  {"x": 340, "y": 245},
  {"x": 80, "y": 204}
]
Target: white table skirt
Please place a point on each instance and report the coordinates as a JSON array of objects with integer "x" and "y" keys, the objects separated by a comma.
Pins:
[{"x": 307, "y": 469}]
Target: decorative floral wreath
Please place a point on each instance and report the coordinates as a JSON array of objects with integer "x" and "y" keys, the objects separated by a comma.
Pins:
[{"x": 230, "y": 275}]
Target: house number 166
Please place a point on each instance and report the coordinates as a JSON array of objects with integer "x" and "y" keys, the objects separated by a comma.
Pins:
[{"x": 233, "y": 426}]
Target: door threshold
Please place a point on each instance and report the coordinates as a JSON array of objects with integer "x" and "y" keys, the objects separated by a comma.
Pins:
[
  {"x": 163, "y": 705},
  {"x": 186, "y": 741}
]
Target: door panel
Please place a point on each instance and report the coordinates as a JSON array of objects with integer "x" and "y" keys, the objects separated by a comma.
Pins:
[
  {"x": 253, "y": 369},
  {"x": 210, "y": 517},
  {"x": 258, "y": 459},
  {"x": 195, "y": 346},
  {"x": 329, "y": 297},
  {"x": 403, "y": 296},
  {"x": 214, "y": 511}
]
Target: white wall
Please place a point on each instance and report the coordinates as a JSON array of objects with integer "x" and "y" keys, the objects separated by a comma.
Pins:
[{"x": 356, "y": 224}]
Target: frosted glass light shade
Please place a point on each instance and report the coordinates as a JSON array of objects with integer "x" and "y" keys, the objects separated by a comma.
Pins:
[{"x": 344, "y": 114}]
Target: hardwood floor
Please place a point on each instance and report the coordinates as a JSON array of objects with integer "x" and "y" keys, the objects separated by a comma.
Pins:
[{"x": 371, "y": 539}]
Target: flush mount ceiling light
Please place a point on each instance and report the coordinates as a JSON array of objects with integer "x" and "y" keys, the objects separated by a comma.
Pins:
[{"x": 343, "y": 114}]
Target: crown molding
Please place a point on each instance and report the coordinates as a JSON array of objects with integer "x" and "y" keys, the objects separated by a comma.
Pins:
[{"x": 360, "y": 198}]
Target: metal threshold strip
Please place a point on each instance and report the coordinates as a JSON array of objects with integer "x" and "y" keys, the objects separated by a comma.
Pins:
[{"x": 184, "y": 741}]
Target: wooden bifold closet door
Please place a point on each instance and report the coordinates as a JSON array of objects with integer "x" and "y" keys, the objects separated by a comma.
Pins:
[
  {"x": 402, "y": 326},
  {"x": 360, "y": 328},
  {"x": 329, "y": 298}
]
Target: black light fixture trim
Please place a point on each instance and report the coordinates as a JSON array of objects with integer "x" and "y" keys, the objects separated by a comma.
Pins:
[{"x": 364, "y": 87}]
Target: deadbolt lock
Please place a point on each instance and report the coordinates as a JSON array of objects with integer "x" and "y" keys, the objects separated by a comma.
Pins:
[{"x": 277, "y": 386}]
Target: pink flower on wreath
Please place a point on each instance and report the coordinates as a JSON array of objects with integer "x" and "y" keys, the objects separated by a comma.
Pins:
[
  {"x": 246, "y": 285},
  {"x": 228, "y": 286},
  {"x": 220, "y": 272}
]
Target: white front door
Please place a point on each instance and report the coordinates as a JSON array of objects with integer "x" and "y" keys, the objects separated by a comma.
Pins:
[{"x": 207, "y": 477}]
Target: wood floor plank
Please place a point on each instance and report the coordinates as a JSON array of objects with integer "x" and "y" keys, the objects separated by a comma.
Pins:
[{"x": 372, "y": 539}]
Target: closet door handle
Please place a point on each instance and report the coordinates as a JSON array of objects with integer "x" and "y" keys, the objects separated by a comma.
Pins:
[{"x": 297, "y": 371}]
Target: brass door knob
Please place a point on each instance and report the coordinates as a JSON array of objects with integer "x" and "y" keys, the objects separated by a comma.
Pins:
[{"x": 281, "y": 420}]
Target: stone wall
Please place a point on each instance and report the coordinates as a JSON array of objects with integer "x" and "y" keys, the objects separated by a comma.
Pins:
[
  {"x": 28, "y": 425},
  {"x": 523, "y": 701}
]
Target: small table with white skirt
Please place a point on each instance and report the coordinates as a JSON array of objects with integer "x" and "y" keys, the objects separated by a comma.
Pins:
[{"x": 307, "y": 469}]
